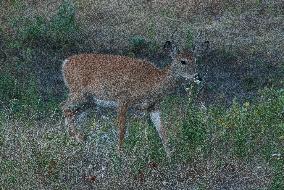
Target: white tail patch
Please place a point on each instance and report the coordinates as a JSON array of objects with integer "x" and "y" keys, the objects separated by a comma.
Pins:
[
  {"x": 63, "y": 65},
  {"x": 65, "y": 61}
]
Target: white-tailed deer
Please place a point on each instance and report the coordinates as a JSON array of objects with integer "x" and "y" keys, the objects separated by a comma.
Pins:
[{"x": 125, "y": 83}]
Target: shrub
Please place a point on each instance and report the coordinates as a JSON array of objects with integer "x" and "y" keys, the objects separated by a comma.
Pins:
[
  {"x": 63, "y": 27},
  {"x": 60, "y": 32}
]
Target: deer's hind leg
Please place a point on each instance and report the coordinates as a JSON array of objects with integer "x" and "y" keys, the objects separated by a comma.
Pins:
[
  {"x": 74, "y": 101},
  {"x": 73, "y": 111},
  {"x": 122, "y": 110}
]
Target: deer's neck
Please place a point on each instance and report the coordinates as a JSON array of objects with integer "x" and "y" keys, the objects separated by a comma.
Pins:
[{"x": 170, "y": 82}]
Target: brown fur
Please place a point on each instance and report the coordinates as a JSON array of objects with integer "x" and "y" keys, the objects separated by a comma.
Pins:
[{"x": 110, "y": 77}]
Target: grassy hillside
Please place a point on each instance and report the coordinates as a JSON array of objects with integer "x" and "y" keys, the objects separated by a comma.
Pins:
[{"x": 227, "y": 133}]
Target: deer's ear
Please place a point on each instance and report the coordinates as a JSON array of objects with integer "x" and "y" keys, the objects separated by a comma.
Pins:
[
  {"x": 168, "y": 45},
  {"x": 171, "y": 49},
  {"x": 201, "y": 48},
  {"x": 206, "y": 45}
]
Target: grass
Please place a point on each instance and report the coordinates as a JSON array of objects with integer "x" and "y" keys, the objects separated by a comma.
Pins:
[{"x": 211, "y": 141}]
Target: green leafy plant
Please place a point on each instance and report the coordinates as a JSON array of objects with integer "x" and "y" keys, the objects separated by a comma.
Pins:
[
  {"x": 61, "y": 31},
  {"x": 63, "y": 27}
]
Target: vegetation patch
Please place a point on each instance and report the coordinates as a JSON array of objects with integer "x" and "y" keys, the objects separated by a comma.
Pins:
[{"x": 213, "y": 141}]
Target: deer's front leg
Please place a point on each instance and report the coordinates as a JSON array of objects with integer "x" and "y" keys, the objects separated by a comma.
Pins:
[{"x": 156, "y": 119}]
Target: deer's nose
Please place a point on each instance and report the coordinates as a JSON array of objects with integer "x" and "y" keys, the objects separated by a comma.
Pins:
[{"x": 196, "y": 78}]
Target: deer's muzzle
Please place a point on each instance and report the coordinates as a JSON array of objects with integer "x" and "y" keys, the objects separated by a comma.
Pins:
[{"x": 197, "y": 79}]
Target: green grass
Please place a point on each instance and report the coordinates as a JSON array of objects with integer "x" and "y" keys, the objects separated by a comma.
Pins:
[{"x": 40, "y": 153}]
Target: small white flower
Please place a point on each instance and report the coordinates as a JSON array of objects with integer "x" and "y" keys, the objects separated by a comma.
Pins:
[
  {"x": 197, "y": 81},
  {"x": 276, "y": 155},
  {"x": 164, "y": 183}
]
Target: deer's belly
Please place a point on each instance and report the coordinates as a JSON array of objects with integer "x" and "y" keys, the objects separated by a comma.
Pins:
[
  {"x": 105, "y": 103},
  {"x": 141, "y": 105}
]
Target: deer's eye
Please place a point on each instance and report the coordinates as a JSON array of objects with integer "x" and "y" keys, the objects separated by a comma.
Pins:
[{"x": 183, "y": 62}]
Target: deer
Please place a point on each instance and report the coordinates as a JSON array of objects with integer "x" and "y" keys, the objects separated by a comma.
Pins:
[{"x": 125, "y": 83}]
